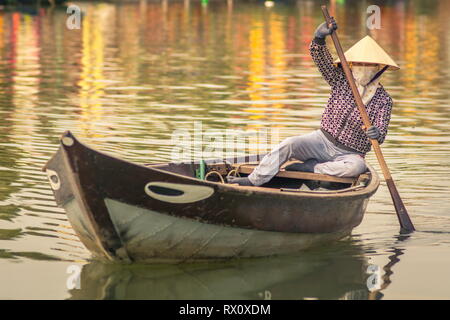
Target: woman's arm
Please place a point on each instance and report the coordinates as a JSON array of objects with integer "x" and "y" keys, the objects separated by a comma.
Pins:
[
  {"x": 383, "y": 119},
  {"x": 322, "y": 58},
  {"x": 321, "y": 55}
]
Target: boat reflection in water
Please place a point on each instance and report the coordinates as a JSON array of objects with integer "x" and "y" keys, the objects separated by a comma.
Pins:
[{"x": 337, "y": 272}]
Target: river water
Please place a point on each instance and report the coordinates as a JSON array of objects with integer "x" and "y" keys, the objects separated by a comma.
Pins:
[{"x": 134, "y": 73}]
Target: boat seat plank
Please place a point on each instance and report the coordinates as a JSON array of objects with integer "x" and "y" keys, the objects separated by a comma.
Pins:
[{"x": 247, "y": 169}]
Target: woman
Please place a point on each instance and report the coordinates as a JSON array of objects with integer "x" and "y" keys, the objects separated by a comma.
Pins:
[{"x": 339, "y": 147}]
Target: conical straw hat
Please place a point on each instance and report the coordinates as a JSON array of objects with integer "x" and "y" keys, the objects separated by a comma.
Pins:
[{"x": 367, "y": 50}]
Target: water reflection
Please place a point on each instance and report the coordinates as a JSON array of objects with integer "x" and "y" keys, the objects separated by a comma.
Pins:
[
  {"x": 92, "y": 81},
  {"x": 394, "y": 258},
  {"x": 136, "y": 71},
  {"x": 324, "y": 274}
]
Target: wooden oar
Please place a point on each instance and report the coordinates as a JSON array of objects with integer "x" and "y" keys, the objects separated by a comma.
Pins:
[{"x": 403, "y": 217}]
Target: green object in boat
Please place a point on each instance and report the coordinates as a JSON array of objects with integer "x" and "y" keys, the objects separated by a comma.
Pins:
[{"x": 200, "y": 172}]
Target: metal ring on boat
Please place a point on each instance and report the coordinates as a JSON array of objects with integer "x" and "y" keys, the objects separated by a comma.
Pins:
[
  {"x": 67, "y": 141},
  {"x": 53, "y": 178},
  {"x": 177, "y": 192}
]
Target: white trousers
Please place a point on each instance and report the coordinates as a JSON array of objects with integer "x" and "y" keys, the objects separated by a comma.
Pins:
[{"x": 332, "y": 160}]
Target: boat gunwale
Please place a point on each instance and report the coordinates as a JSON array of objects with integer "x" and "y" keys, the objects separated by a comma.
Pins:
[
  {"x": 370, "y": 188},
  {"x": 367, "y": 190}
]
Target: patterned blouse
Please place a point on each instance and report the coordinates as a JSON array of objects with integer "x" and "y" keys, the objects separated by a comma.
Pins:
[{"x": 341, "y": 118}]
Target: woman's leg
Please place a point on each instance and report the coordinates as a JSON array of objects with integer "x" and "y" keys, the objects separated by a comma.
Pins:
[
  {"x": 349, "y": 165},
  {"x": 309, "y": 146}
]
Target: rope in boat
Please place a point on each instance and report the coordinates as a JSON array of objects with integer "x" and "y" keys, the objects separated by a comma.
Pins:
[
  {"x": 235, "y": 171},
  {"x": 217, "y": 173}
]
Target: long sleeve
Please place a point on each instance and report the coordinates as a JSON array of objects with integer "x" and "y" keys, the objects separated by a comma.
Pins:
[
  {"x": 322, "y": 58},
  {"x": 383, "y": 119}
]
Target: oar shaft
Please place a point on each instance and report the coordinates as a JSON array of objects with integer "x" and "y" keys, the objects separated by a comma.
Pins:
[{"x": 402, "y": 214}]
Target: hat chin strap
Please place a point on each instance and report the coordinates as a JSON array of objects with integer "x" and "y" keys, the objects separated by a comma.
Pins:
[
  {"x": 378, "y": 74},
  {"x": 368, "y": 91}
]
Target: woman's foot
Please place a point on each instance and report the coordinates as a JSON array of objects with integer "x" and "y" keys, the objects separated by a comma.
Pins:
[{"x": 240, "y": 181}]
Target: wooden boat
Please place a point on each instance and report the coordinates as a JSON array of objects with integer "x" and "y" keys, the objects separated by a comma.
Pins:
[{"x": 162, "y": 212}]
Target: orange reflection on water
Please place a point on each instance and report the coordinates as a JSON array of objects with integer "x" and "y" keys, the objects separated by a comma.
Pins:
[
  {"x": 91, "y": 82},
  {"x": 139, "y": 44},
  {"x": 267, "y": 64},
  {"x": 25, "y": 79}
]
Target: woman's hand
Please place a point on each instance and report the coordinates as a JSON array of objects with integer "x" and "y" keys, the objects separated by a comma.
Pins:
[
  {"x": 322, "y": 30},
  {"x": 373, "y": 132}
]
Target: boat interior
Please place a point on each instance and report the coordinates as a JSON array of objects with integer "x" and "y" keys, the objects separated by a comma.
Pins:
[{"x": 288, "y": 181}]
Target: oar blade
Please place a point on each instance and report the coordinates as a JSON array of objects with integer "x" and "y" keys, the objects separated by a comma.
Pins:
[{"x": 406, "y": 225}]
